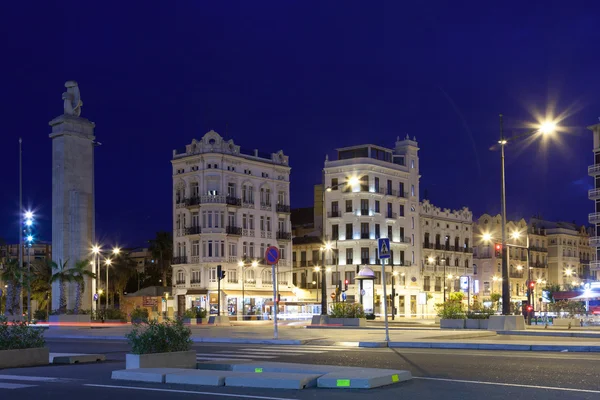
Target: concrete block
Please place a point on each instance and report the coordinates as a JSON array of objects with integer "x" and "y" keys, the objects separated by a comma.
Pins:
[
  {"x": 198, "y": 377},
  {"x": 463, "y": 346},
  {"x": 176, "y": 359},
  {"x": 219, "y": 320},
  {"x": 156, "y": 375},
  {"x": 273, "y": 380},
  {"x": 24, "y": 357},
  {"x": 452, "y": 324},
  {"x": 221, "y": 365},
  {"x": 68, "y": 358},
  {"x": 293, "y": 368},
  {"x": 359, "y": 378},
  {"x": 506, "y": 323}
]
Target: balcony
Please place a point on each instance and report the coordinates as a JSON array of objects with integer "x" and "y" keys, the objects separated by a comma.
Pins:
[
  {"x": 365, "y": 236},
  {"x": 233, "y": 201},
  {"x": 283, "y": 235},
  {"x": 595, "y": 241},
  {"x": 516, "y": 274},
  {"x": 266, "y": 206},
  {"x": 334, "y": 214},
  {"x": 391, "y": 215},
  {"x": 364, "y": 212},
  {"x": 541, "y": 249},
  {"x": 283, "y": 208},
  {"x": 538, "y": 265},
  {"x": 594, "y": 265},
  {"x": 594, "y": 218},
  {"x": 428, "y": 245},
  {"x": 594, "y": 170},
  {"x": 192, "y": 201},
  {"x": 594, "y": 194},
  {"x": 179, "y": 260},
  {"x": 404, "y": 239},
  {"x": 192, "y": 230},
  {"x": 391, "y": 192},
  {"x": 247, "y": 203},
  {"x": 403, "y": 195},
  {"x": 233, "y": 230}
]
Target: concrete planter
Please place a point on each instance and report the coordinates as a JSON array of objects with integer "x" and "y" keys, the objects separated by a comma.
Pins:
[
  {"x": 327, "y": 320},
  {"x": 192, "y": 321},
  {"x": 452, "y": 323},
  {"x": 506, "y": 323},
  {"x": 24, "y": 357},
  {"x": 70, "y": 319},
  {"x": 176, "y": 359},
  {"x": 476, "y": 323},
  {"x": 566, "y": 321}
]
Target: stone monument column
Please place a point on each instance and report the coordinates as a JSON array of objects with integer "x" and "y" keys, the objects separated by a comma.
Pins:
[{"x": 72, "y": 193}]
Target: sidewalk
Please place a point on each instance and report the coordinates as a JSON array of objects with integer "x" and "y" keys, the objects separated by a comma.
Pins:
[{"x": 405, "y": 338}]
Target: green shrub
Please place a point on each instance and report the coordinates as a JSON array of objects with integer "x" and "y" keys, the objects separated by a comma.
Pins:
[
  {"x": 40, "y": 315},
  {"x": 115, "y": 313},
  {"x": 451, "y": 309},
  {"x": 19, "y": 335},
  {"x": 155, "y": 337},
  {"x": 70, "y": 312},
  {"x": 195, "y": 312},
  {"x": 347, "y": 310},
  {"x": 140, "y": 315}
]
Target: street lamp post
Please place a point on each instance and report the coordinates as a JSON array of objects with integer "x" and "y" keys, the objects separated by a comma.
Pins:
[{"x": 545, "y": 128}]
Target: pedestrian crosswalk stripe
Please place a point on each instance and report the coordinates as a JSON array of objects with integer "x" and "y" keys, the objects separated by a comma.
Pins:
[
  {"x": 28, "y": 378},
  {"x": 7, "y": 385},
  {"x": 230, "y": 355},
  {"x": 299, "y": 351}
]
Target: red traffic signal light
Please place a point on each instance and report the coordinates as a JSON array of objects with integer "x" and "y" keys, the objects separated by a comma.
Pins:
[
  {"x": 529, "y": 308},
  {"x": 498, "y": 246},
  {"x": 532, "y": 285},
  {"x": 346, "y": 284}
]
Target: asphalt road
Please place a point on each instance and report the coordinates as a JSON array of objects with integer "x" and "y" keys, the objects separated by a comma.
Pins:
[{"x": 448, "y": 374}]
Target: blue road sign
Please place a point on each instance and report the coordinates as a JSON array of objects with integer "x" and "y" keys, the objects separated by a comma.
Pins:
[
  {"x": 272, "y": 255},
  {"x": 95, "y": 296},
  {"x": 384, "y": 248},
  {"x": 344, "y": 296}
]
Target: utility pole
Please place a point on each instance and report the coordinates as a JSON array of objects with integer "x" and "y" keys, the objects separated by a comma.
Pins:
[{"x": 20, "y": 223}]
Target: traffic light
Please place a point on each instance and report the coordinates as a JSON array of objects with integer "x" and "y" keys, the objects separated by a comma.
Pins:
[
  {"x": 532, "y": 285},
  {"x": 220, "y": 272},
  {"x": 498, "y": 250},
  {"x": 346, "y": 285},
  {"x": 278, "y": 297}
]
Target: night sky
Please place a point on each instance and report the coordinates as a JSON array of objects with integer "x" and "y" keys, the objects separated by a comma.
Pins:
[{"x": 306, "y": 77}]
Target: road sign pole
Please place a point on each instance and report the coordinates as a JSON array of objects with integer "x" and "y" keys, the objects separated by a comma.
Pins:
[
  {"x": 275, "y": 305},
  {"x": 385, "y": 316}
]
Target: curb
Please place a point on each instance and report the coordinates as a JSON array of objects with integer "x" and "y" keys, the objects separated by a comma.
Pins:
[
  {"x": 249, "y": 341},
  {"x": 499, "y": 347},
  {"x": 550, "y": 333}
]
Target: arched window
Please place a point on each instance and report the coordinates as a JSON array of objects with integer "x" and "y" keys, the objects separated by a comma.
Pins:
[
  {"x": 181, "y": 277},
  {"x": 250, "y": 277},
  {"x": 267, "y": 278}
]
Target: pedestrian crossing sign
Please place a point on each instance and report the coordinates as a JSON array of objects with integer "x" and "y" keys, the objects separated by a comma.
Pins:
[{"x": 384, "y": 248}]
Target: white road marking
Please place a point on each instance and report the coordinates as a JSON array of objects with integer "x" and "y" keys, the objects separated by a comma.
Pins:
[
  {"x": 219, "y": 358},
  {"x": 495, "y": 353},
  {"x": 508, "y": 384},
  {"x": 230, "y": 355},
  {"x": 28, "y": 378},
  {"x": 242, "y": 396},
  {"x": 299, "y": 351},
  {"x": 6, "y": 385}
]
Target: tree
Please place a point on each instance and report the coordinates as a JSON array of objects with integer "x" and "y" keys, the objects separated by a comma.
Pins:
[
  {"x": 62, "y": 276},
  {"x": 124, "y": 268},
  {"x": 12, "y": 275},
  {"x": 162, "y": 250},
  {"x": 78, "y": 274}
]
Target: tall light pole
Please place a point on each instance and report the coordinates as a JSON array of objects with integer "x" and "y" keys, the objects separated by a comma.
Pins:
[
  {"x": 545, "y": 128},
  {"x": 29, "y": 225},
  {"x": 107, "y": 262},
  {"x": 21, "y": 222},
  {"x": 96, "y": 270}
]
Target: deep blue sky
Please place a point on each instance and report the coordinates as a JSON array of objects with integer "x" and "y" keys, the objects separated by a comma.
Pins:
[{"x": 306, "y": 77}]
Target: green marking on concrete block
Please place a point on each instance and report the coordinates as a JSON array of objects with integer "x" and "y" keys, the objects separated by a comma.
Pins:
[
  {"x": 343, "y": 383},
  {"x": 395, "y": 378},
  {"x": 258, "y": 370}
]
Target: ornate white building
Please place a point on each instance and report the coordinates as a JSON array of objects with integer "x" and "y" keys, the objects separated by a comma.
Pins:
[
  {"x": 372, "y": 192},
  {"x": 229, "y": 206},
  {"x": 447, "y": 250},
  {"x": 594, "y": 195}
]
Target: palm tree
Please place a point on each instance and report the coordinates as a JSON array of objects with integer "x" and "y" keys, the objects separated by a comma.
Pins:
[
  {"x": 78, "y": 274},
  {"x": 162, "y": 250},
  {"x": 62, "y": 276},
  {"x": 11, "y": 274},
  {"x": 41, "y": 284}
]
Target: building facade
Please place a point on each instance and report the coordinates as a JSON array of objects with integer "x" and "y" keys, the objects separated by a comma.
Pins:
[
  {"x": 594, "y": 195},
  {"x": 522, "y": 265},
  {"x": 447, "y": 251},
  {"x": 372, "y": 192},
  {"x": 229, "y": 206}
]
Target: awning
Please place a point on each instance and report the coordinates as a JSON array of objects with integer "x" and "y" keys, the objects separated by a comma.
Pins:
[
  {"x": 196, "y": 291},
  {"x": 256, "y": 293}
]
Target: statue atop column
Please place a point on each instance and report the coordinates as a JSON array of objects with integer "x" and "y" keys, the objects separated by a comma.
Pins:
[{"x": 72, "y": 99}]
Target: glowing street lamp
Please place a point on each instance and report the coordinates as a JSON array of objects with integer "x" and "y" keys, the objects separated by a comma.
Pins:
[{"x": 487, "y": 237}]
